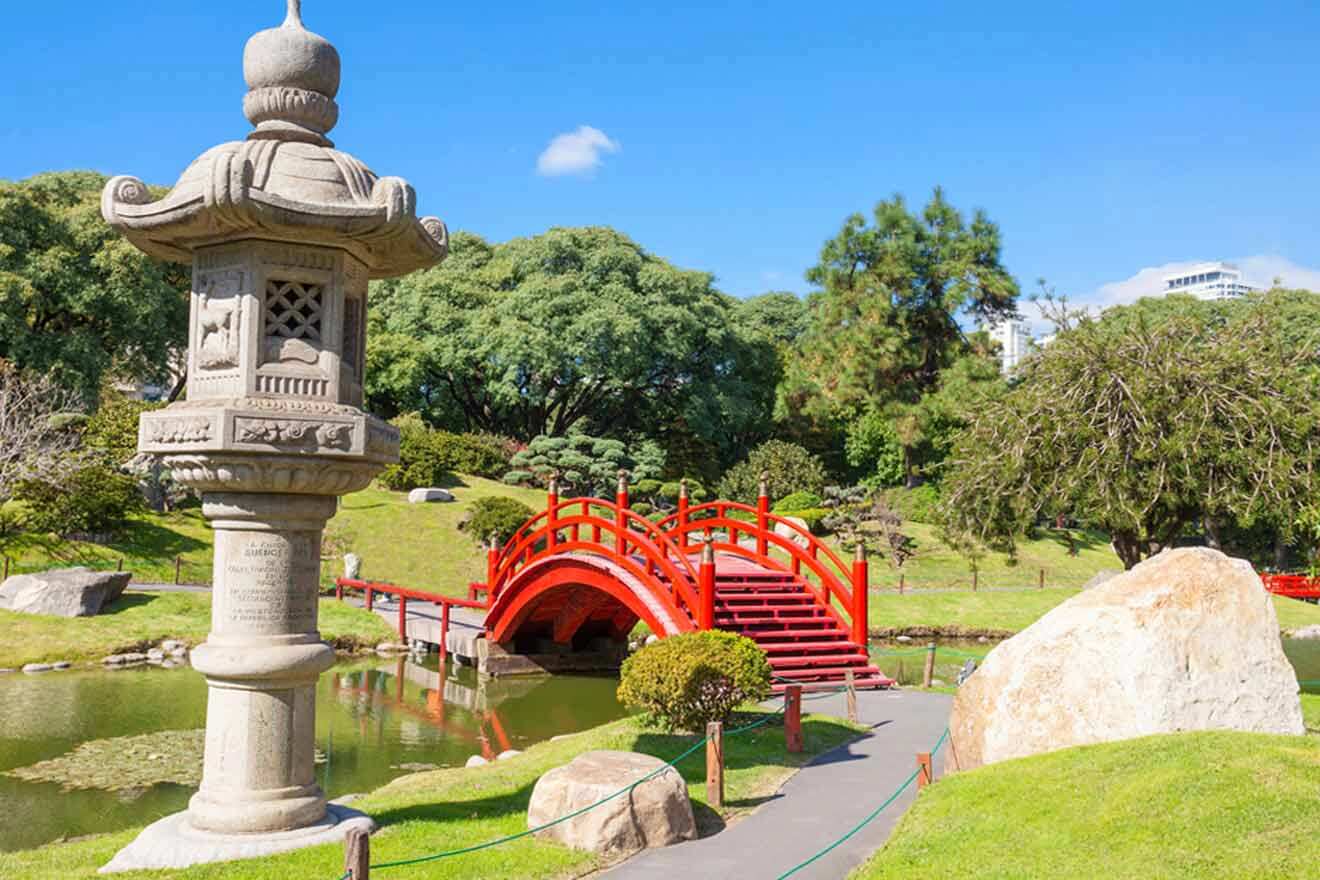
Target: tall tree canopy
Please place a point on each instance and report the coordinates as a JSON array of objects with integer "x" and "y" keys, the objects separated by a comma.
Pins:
[
  {"x": 887, "y": 320},
  {"x": 574, "y": 328},
  {"x": 77, "y": 301},
  {"x": 1147, "y": 421}
]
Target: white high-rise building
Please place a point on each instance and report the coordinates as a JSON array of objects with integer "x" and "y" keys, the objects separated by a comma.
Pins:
[
  {"x": 1216, "y": 280},
  {"x": 1014, "y": 338}
]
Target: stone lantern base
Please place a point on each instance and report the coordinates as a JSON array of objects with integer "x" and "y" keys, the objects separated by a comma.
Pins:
[{"x": 173, "y": 843}]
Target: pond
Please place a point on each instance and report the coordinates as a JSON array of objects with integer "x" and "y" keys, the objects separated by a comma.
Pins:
[
  {"x": 375, "y": 721},
  {"x": 905, "y": 662}
]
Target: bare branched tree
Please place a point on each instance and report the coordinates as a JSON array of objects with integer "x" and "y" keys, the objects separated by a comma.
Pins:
[{"x": 38, "y": 439}]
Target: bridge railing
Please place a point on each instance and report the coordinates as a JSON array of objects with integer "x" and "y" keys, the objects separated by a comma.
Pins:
[
  {"x": 609, "y": 529},
  {"x": 840, "y": 588},
  {"x": 1293, "y": 586}
]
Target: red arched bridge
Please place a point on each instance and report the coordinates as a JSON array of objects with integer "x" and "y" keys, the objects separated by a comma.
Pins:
[{"x": 587, "y": 569}]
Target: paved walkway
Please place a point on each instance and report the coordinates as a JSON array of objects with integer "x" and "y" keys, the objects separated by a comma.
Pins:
[{"x": 818, "y": 804}]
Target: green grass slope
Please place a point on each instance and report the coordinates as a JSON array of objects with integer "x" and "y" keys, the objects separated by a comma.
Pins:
[
  {"x": 1194, "y": 805},
  {"x": 137, "y": 619},
  {"x": 449, "y": 809}
]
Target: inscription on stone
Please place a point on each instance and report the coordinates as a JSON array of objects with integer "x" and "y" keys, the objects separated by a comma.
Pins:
[{"x": 270, "y": 583}]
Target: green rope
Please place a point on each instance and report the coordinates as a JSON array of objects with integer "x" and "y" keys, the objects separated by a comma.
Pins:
[
  {"x": 869, "y": 818},
  {"x": 512, "y": 837}
]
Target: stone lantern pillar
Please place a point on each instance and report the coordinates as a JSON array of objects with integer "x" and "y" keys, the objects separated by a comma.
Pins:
[{"x": 283, "y": 233}]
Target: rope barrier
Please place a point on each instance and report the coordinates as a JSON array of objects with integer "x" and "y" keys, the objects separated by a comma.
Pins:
[
  {"x": 397, "y": 863},
  {"x": 869, "y": 818}
]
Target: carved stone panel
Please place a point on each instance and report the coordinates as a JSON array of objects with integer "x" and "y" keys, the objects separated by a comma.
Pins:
[
  {"x": 293, "y": 322},
  {"x": 294, "y": 433},
  {"x": 219, "y": 319}
]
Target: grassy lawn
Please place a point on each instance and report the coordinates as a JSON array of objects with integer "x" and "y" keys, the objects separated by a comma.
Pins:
[
  {"x": 418, "y": 545},
  {"x": 1002, "y": 613},
  {"x": 1311, "y": 711},
  {"x": 138, "y": 618},
  {"x": 935, "y": 565},
  {"x": 1194, "y": 805},
  {"x": 448, "y": 809}
]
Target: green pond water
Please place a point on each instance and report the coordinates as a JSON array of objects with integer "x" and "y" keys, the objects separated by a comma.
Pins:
[
  {"x": 372, "y": 719},
  {"x": 905, "y": 662}
]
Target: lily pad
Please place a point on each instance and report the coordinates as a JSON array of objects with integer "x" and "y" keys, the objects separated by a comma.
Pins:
[{"x": 124, "y": 762}]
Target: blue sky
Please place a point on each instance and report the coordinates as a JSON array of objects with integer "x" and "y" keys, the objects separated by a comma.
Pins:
[{"x": 734, "y": 138}]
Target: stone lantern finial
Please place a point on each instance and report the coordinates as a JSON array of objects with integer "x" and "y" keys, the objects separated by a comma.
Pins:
[{"x": 292, "y": 76}]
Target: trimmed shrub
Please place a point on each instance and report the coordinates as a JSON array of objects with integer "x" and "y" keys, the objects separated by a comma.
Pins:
[
  {"x": 428, "y": 457},
  {"x": 684, "y": 681},
  {"x": 797, "y": 501},
  {"x": 94, "y": 499},
  {"x": 814, "y": 517},
  {"x": 641, "y": 508},
  {"x": 495, "y": 515},
  {"x": 791, "y": 469},
  {"x": 918, "y": 504}
]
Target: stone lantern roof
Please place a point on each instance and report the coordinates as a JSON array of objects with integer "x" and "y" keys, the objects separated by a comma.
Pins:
[{"x": 286, "y": 180}]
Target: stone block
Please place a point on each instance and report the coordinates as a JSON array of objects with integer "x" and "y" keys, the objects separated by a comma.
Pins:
[
  {"x": 63, "y": 592},
  {"x": 422, "y": 496}
]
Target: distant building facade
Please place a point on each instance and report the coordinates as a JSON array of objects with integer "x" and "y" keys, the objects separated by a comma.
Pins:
[
  {"x": 1014, "y": 338},
  {"x": 1216, "y": 280}
]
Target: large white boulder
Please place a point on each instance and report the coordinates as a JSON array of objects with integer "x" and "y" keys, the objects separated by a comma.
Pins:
[
  {"x": 1187, "y": 640},
  {"x": 422, "y": 496},
  {"x": 65, "y": 592},
  {"x": 655, "y": 813},
  {"x": 792, "y": 534}
]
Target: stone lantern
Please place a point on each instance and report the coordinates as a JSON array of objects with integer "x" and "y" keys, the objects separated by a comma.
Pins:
[{"x": 283, "y": 232}]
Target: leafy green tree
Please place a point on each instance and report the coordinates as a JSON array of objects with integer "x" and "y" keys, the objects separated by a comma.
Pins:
[
  {"x": 574, "y": 329},
  {"x": 874, "y": 449},
  {"x": 77, "y": 301},
  {"x": 1143, "y": 423},
  {"x": 887, "y": 320},
  {"x": 790, "y": 468}
]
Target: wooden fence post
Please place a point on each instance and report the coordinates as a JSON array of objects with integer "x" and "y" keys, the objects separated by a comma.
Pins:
[
  {"x": 357, "y": 854},
  {"x": 369, "y": 596},
  {"x": 849, "y": 683},
  {"x": 715, "y": 764},
  {"x": 178, "y": 564},
  {"x": 1042, "y": 578},
  {"x": 974, "y": 579},
  {"x": 925, "y": 771},
  {"x": 403, "y": 619},
  {"x": 928, "y": 675},
  {"x": 901, "y": 578},
  {"x": 793, "y": 718},
  {"x": 339, "y": 590},
  {"x": 444, "y": 629},
  {"x": 6, "y": 568},
  {"x": 120, "y": 566}
]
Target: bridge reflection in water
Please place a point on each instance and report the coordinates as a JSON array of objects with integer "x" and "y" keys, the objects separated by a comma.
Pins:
[{"x": 442, "y": 714}]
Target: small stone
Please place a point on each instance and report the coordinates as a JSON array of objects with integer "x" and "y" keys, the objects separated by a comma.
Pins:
[
  {"x": 983, "y": 640},
  {"x": 937, "y": 682},
  {"x": 506, "y": 754},
  {"x": 652, "y": 639},
  {"x": 179, "y": 653},
  {"x": 7, "y": 670},
  {"x": 1306, "y": 632},
  {"x": 155, "y": 655},
  {"x": 391, "y": 648},
  {"x": 61, "y": 664},
  {"x": 37, "y": 667},
  {"x": 133, "y": 657},
  {"x": 169, "y": 646},
  {"x": 904, "y": 639},
  {"x": 476, "y": 761},
  {"x": 113, "y": 660},
  {"x": 422, "y": 496},
  {"x": 170, "y": 664}
]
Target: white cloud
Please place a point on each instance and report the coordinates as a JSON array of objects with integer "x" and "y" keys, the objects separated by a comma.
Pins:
[
  {"x": 575, "y": 152},
  {"x": 1258, "y": 271}
]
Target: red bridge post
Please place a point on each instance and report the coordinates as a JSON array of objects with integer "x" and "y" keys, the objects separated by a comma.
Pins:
[
  {"x": 860, "y": 585},
  {"x": 620, "y": 518},
  {"x": 492, "y": 559},
  {"x": 682, "y": 514},
  {"x": 762, "y": 512},
  {"x": 706, "y": 574},
  {"x": 403, "y": 619},
  {"x": 793, "y": 718},
  {"x": 552, "y": 502}
]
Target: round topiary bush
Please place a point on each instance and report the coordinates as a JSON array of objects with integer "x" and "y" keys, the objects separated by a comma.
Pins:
[
  {"x": 495, "y": 515},
  {"x": 790, "y": 468},
  {"x": 684, "y": 681},
  {"x": 797, "y": 501}
]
